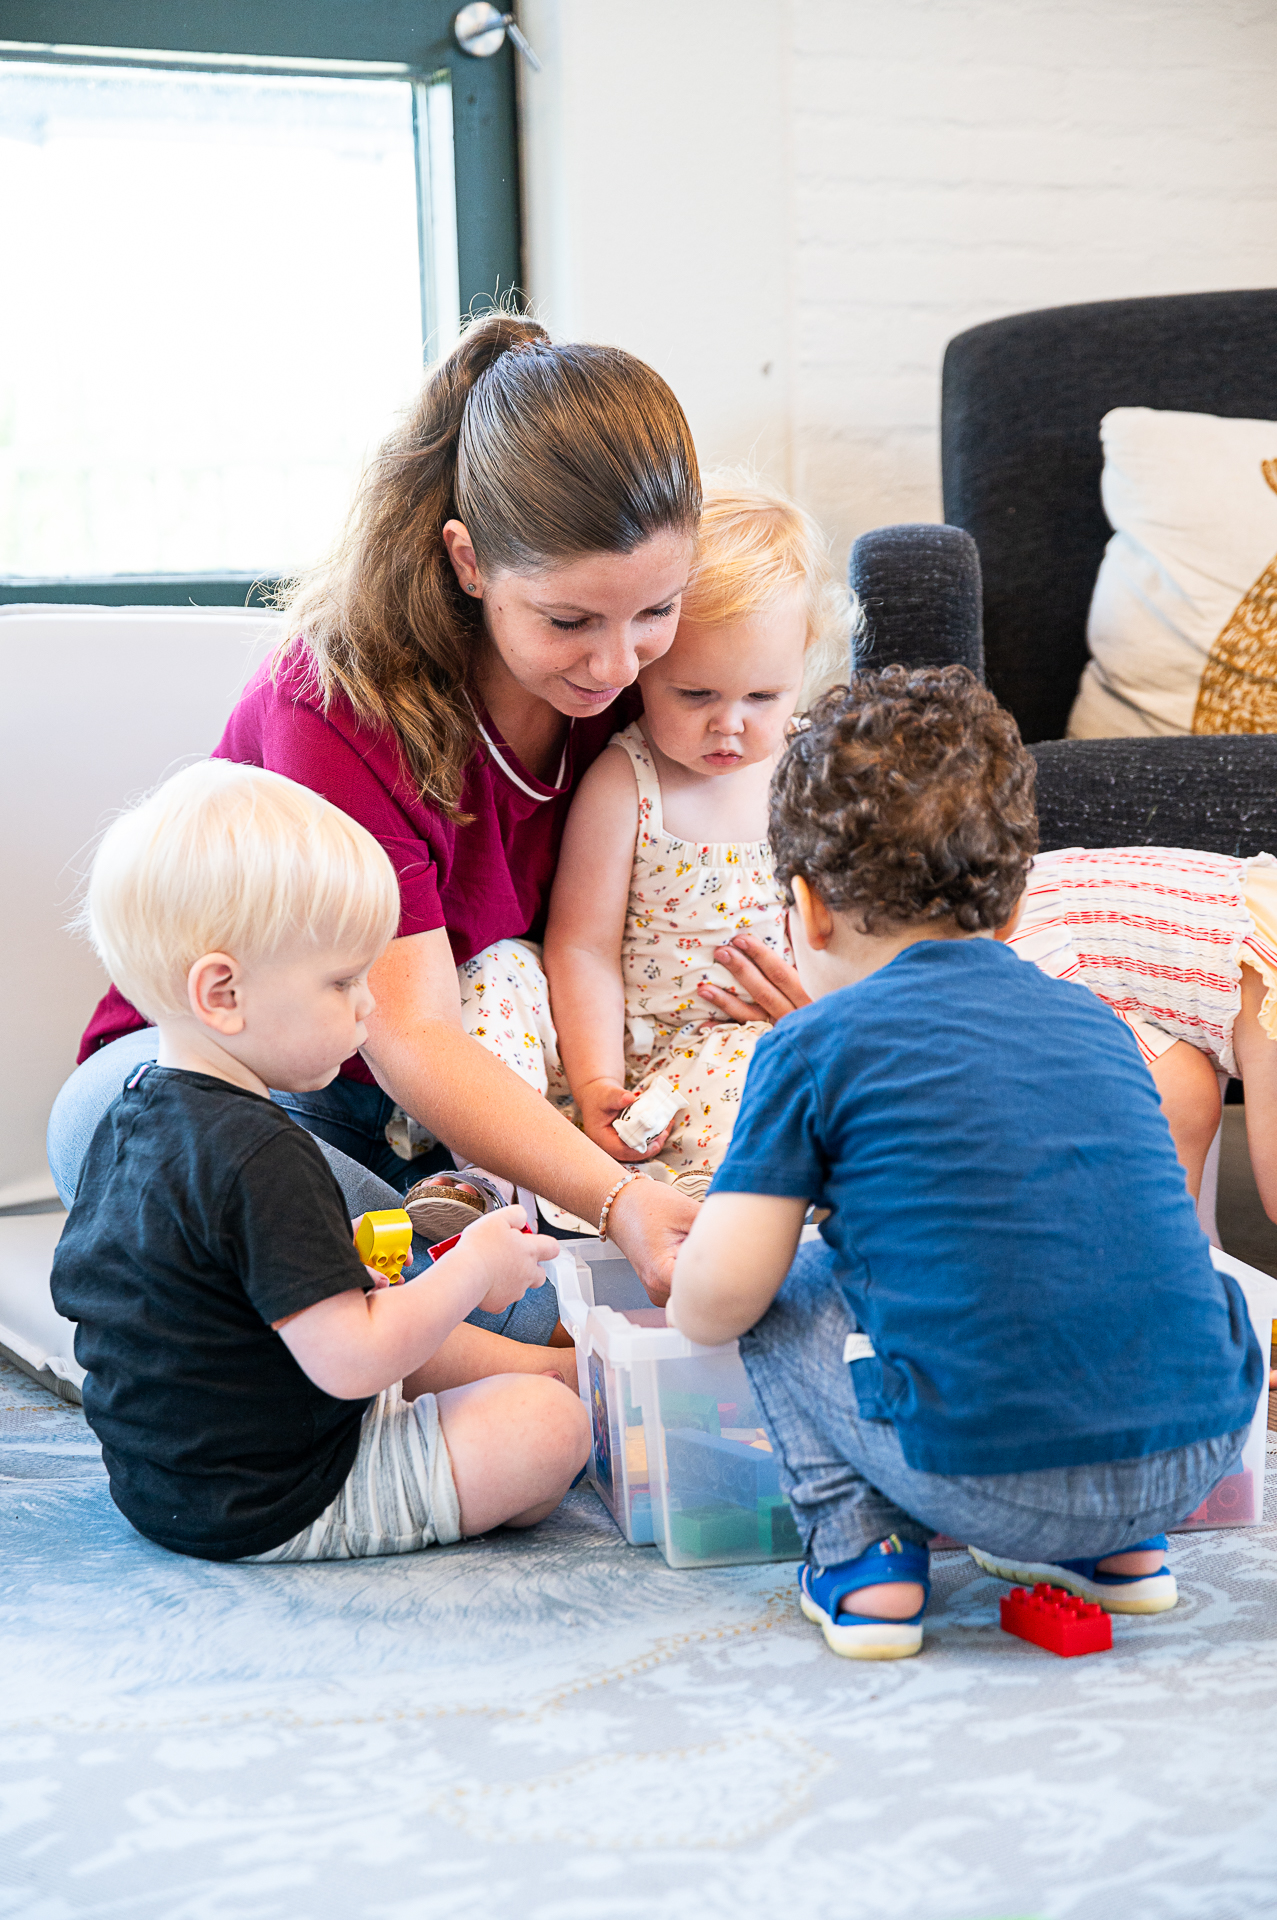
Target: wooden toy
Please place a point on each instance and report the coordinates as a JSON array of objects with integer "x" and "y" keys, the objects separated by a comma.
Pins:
[
  {"x": 384, "y": 1242},
  {"x": 1056, "y": 1620}
]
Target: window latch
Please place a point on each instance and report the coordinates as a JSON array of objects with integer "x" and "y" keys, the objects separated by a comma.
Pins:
[{"x": 481, "y": 29}]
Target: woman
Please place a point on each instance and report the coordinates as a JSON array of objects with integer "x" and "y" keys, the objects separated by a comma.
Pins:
[{"x": 516, "y": 553}]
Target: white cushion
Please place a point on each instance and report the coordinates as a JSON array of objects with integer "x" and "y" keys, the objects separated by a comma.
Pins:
[
  {"x": 1183, "y": 622},
  {"x": 99, "y": 703},
  {"x": 30, "y": 1328}
]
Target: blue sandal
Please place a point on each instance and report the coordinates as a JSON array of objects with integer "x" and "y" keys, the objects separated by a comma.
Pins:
[
  {"x": 1115, "y": 1592},
  {"x": 857, "y": 1636}
]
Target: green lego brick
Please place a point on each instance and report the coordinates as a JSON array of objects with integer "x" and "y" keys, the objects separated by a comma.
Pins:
[
  {"x": 690, "y": 1410},
  {"x": 777, "y": 1533},
  {"x": 703, "y": 1533}
]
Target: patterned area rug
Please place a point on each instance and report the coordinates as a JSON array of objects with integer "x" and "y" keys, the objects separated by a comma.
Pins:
[{"x": 559, "y": 1727}]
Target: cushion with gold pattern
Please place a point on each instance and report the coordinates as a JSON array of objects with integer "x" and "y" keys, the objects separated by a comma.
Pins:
[{"x": 1183, "y": 623}]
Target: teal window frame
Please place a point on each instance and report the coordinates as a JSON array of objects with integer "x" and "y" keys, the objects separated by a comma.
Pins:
[{"x": 415, "y": 35}]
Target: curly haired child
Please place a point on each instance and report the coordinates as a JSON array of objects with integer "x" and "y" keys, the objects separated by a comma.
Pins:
[
  {"x": 665, "y": 854},
  {"x": 1012, "y": 1331}
]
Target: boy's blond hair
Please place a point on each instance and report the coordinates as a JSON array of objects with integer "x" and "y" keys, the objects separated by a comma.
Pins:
[
  {"x": 230, "y": 859},
  {"x": 755, "y": 545}
]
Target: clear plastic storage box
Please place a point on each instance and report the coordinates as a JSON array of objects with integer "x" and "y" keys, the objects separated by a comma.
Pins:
[
  {"x": 1238, "y": 1501},
  {"x": 680, "y": 1458}
]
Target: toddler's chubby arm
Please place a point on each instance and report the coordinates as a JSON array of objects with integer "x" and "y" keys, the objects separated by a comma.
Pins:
[
  {"x": 583, "y": 947},
  {"x": 354, "y": 1344},
  {"x": 732, "y": 1263}
]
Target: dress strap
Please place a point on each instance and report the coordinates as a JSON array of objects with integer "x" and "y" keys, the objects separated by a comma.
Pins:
[{"x": 651, "y": 822}]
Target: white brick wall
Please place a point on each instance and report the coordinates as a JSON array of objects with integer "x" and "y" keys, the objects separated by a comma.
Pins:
[{"x": 830, "y": 189}]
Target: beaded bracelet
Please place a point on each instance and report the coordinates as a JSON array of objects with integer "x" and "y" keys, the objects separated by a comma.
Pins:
[{"x": 635, "y": 1173}]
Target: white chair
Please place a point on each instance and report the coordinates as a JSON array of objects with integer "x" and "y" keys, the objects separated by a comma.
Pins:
[{"x": 99, "y": 704}]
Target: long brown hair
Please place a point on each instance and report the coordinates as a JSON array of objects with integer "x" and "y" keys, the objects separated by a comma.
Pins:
[{"x": 545, "y": 453}]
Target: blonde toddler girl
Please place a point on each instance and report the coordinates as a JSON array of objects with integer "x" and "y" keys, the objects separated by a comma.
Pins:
[{"x": 665, "y": 853}]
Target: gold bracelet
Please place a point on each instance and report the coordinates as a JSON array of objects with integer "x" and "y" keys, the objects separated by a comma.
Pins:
[{"x": 635, "y": 1173}]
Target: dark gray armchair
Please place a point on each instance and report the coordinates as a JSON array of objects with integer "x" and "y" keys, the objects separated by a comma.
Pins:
[{"x": 1005, "y": 586}]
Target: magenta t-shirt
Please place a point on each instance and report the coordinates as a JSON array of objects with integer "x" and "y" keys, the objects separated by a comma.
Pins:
[{"x": 488, "y": 880}]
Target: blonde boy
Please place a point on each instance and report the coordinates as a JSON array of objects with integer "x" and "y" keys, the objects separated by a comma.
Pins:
[{"x": 257, "y": 1393}]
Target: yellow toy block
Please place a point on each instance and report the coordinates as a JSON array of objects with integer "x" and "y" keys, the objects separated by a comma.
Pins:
[{"x": 384, "y": 1242}]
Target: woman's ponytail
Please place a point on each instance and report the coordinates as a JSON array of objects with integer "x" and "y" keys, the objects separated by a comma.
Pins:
[{"x": 545, "y": 453}]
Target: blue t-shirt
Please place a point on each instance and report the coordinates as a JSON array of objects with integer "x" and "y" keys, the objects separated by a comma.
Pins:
[{"x": 1011, "y": 1225}]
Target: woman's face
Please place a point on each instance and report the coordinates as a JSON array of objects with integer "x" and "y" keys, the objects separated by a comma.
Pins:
[{"x": 574, "y": 635}]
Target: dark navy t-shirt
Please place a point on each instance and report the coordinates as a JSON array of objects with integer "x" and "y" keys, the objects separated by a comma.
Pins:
[
  {"x": 1012, "y": 1227},
  {"x": 204, "y": 1213}
]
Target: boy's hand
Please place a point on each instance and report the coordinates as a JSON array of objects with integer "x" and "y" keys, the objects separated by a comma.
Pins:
[
  {"x": 603, "y": 1101},
  {"x": 375, "y": 1274},
  {"x": 499, "y": 1249},
  {"x": 378, "y": 1279}
]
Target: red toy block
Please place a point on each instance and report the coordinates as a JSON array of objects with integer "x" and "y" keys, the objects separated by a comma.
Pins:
[
  {"x": 1057, "y": 1620},
  {"x": 1230, "y": 1504},
  {"x": 441, "y": 1247}
]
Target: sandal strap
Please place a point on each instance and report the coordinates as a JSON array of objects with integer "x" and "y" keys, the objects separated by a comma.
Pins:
[
  {"x": 889, "y": 1562},
  {"x": 1090, "y": 1569}
]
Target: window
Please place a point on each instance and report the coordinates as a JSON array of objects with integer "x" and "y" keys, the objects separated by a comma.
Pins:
[{"x": 230, "y": 260}]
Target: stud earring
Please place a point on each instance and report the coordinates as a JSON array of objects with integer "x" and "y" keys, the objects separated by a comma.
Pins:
[{"x": 471, "y": 586}]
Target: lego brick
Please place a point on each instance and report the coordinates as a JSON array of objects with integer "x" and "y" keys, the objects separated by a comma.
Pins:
[
  {"x": 642, "y": 1531},
  {"x": 1051, "y": 1618},
  {"x": 384, "y": 1242},
  {"x": 689, "y": 1410},
  {"x": 777, "y": 1533},
  {"x": 1230, "y": 1504},
  {"x": 706, "y": 1465},
  {"x": 441, "y": 1247},
  {"x": 636, "y": 1456},
  {"x": 704, "y": 1533}
]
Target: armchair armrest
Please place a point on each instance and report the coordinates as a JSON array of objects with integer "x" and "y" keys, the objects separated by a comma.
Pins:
[
  {"x": 918, "y": 586},
  {"x": 920, "y": 599}
]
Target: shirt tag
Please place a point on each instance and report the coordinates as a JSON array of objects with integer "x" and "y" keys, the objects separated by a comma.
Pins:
[{"x": 858, "y": 1346}]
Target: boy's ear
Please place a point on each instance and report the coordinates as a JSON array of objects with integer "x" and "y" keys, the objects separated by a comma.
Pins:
[
  {"x": 214, "y": 988},
  {"x": 1008, "y": 927},
  {"x": 818, "y": 921}
]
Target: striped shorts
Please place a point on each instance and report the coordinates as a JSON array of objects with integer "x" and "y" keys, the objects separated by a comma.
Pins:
[{"x": 398, "y": 1497}]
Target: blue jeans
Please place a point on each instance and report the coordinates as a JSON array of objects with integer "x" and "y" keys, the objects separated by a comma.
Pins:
[
  {"x": 850, "y": 1485},
  {"x": 347, "y": 1120}
]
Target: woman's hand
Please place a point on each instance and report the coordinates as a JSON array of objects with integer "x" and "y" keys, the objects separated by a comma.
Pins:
[
  {"x": 649, "y": 1223},
  {"x": 601, "y": 1103},
  {"x": 772, "y": 984}
]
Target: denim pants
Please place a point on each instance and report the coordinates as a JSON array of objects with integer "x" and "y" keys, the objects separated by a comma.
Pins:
[
  {"x": 850, "y": 1485},
  {"x": 348, "y": 1122}
]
